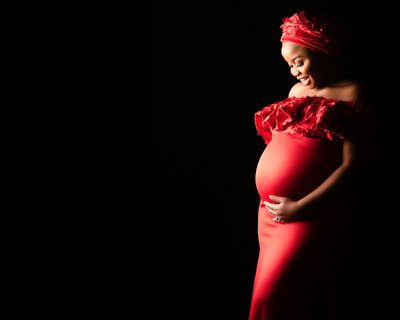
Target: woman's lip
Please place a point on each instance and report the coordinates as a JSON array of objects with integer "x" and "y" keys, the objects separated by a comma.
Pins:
[{"x": 305, "y": 80}]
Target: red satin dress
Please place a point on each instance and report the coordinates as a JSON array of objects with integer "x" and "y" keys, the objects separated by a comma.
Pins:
[{"x": 297, "y": 269}]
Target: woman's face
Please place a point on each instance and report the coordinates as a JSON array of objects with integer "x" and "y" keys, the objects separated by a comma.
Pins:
[{"x": 305, "y": 65}]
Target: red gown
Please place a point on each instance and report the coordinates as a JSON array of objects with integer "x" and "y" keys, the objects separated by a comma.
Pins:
[{"x": 297, "y": 269}]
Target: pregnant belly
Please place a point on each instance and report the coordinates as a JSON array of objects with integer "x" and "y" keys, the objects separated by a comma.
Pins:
[{"x": 292, "y": 166}]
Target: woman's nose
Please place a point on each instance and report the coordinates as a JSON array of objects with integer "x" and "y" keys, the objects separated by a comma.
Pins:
[{"x": 294, "y": 72}]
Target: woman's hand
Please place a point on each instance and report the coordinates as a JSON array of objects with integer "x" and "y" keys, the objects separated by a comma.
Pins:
[{"x": 284, "y": 209}]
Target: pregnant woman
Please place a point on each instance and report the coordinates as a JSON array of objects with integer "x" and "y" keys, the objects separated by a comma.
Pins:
[{"x": 318, "y": 140}]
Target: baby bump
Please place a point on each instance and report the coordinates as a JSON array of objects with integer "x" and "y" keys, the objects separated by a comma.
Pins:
[{"x": 292, "y": 166}]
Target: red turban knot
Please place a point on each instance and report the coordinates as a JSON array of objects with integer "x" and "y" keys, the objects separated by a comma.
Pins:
[{"x": 322, "y": 34}]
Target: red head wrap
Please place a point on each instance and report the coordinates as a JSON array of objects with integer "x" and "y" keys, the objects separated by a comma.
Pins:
[{"x": 322, "y": 34}]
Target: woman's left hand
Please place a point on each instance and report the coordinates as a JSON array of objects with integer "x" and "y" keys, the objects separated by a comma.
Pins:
[{"x": 284, "y": 209}]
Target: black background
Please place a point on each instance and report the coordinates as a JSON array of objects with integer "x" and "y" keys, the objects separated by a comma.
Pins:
[{"x": 213, "y": 65}]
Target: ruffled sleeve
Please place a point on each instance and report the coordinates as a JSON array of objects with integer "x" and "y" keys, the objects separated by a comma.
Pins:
[{"x": 321, "y": 118}]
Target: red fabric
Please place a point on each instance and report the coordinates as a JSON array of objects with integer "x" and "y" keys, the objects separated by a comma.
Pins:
[
  {"x": 296, "y": 274},
  {"x": 299, "y": 263},
  {"x": 322, "y": 34},
  {"x": 322, "y": 118}
]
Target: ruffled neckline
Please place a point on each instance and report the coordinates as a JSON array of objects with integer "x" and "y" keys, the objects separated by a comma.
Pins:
[{"x": 317, "y": 117}]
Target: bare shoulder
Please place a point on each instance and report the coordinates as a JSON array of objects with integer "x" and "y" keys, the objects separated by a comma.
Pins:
[
  {"x": 352, "y": 91},
  {"x": 298, "y": 90}
]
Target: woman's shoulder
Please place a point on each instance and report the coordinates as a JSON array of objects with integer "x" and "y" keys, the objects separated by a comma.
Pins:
[
  {"x": 349, "y": 91},
  {"x": 297, "y": 90}
]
